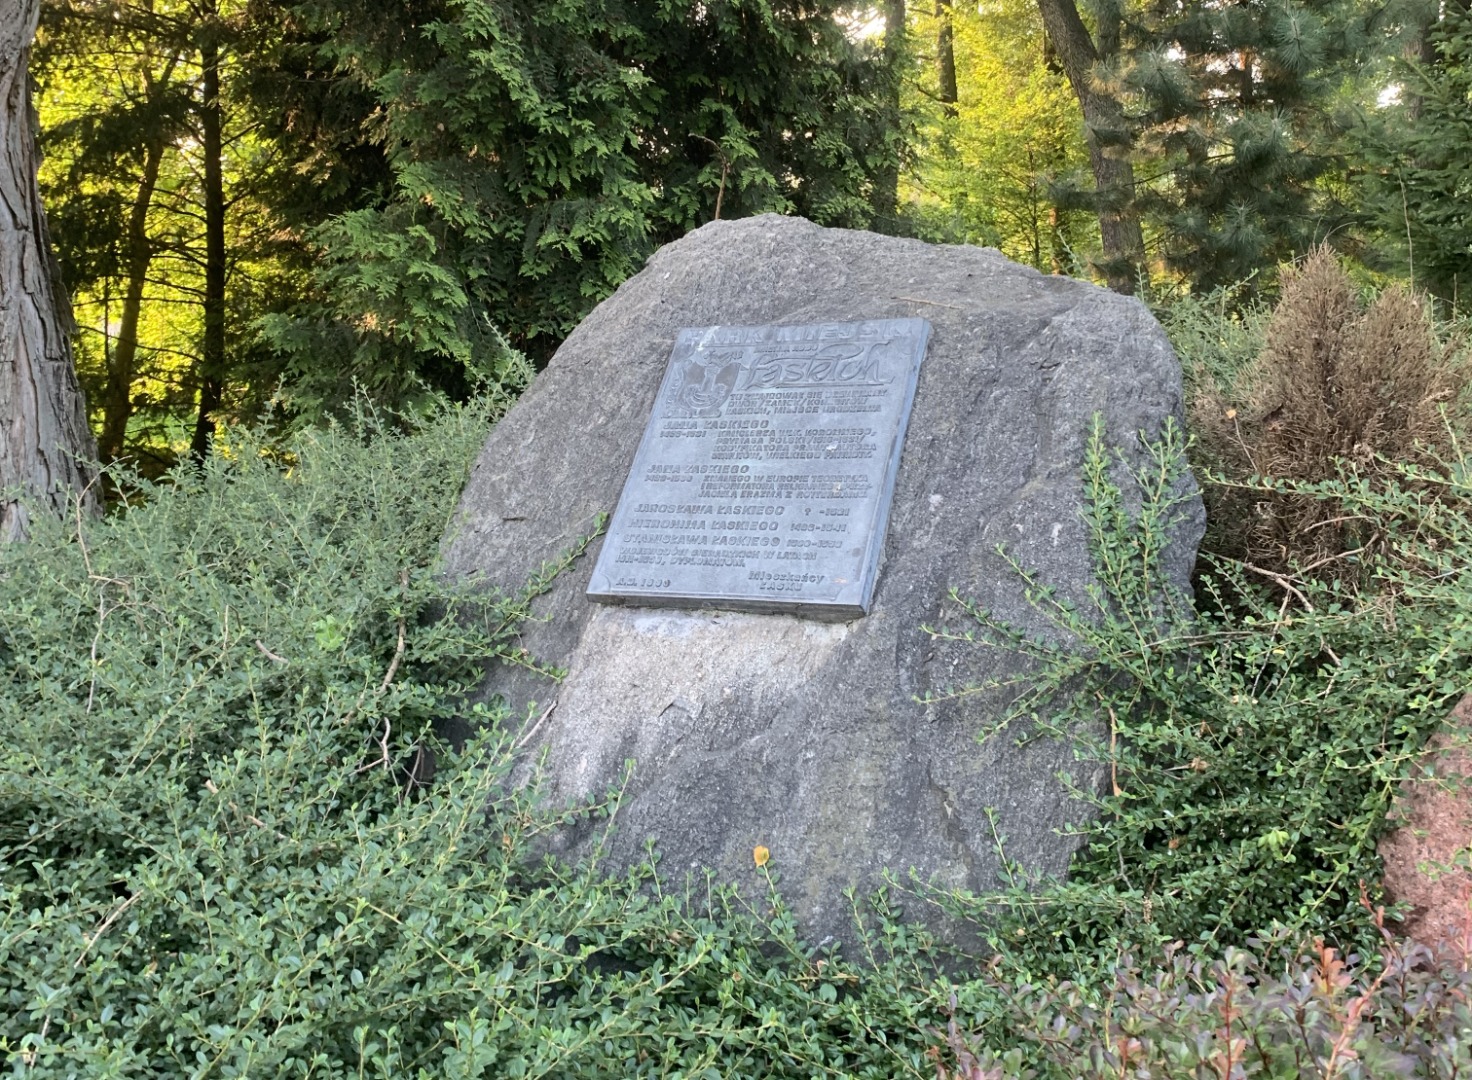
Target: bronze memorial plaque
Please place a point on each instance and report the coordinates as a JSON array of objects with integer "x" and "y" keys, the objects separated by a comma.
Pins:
[{"x": 764, "y": 477}]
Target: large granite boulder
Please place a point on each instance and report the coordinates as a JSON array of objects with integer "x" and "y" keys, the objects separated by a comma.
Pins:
[{"x": 809, "y": 738}]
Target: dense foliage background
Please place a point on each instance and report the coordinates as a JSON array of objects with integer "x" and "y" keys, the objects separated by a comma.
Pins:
[
  {"x": 301, "y": 201},
  {"x": 316, "y": 248}
]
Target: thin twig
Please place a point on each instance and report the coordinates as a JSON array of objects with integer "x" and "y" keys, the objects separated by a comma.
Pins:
[
  {"x": 1282, "y": 581},
  {"x": 257, "y": 822},
  {"x": 385, "y": 758},
  {"x": 1330, "y": 558},
  {"x": 1113, "y": 760},
  {"x": 269, "y": 655},
  {"x": 1405, "y": 209},
  {"x": 416, "y": 775},
  {"x": 81, "y": 541},
  {"x": 1288, "y": 587},
  {"x": 29, "y": 1057},
  {"x": 1237, "y": 430},
  {"x": 97, "y": 637},
  {"x": 393, "y": 665},
  {"x": 1341, "y": 519},
  {"x": 209, "y": 785},
  {"x": 383, "y": 755},
  {"x": 113, "y": 916},
  {"x": 932, "y": 303},
  {"x": 525, "y": 738},
  {"x": 725, "y": 171}
]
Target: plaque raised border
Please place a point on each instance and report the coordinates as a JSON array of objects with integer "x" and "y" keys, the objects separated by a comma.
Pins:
[{"x": 765, "y": 474}]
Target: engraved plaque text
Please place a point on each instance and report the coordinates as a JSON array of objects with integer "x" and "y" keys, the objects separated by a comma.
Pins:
[{"x": 764, "y": 477}]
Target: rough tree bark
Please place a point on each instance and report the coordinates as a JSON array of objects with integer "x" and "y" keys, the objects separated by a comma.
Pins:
[
  {"x": 45, "y": 443},
  {"x": 1114, "y": 175},
  {"x": 887, "y": 181},
  {"x": 117, "y": 405},
  {"x": 211, "y": 125},
  {"x": 945, "y": 57}
]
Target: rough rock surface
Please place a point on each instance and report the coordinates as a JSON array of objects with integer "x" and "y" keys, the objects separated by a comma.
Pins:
[
  {"x": 807, "y": 737},
  {"x": 1425, "y": 858}
]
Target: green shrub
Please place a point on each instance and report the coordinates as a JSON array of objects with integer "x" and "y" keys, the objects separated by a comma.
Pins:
[
  {"x": 1251, "y": 750},
  {"x": 217, "y": 857},
  {"x": 1252, "y": 745}
]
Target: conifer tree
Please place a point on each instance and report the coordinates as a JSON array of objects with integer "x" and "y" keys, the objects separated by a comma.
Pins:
[
  {"x": 1419, "y": 185},
  {"x": 533, "y": 154},
  {"x": 1227, "y": 114},
  {"x": 1242, "y": 128}
]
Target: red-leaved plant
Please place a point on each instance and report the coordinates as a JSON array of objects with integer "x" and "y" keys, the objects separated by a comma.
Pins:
[{"x": 1319, "y": 1015}]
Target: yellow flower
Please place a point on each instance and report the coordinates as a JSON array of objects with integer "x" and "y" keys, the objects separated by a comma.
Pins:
[{"x": 760, "y": 855}]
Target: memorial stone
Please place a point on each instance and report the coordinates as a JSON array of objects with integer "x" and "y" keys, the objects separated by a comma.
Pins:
[
  {"x": 764, "y": 477},
  {"x": 828, "y": 741}
]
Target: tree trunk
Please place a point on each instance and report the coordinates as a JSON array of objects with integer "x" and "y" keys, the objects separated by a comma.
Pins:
[
  {"x": 45, "y": 443},
  {"x": 887, "y": 181},
  {"x": 1114, "y": 175},
  {"x": 212, "y": 355},
  {"x": 945, "y": 57},
  {"x": 117, "y": 406}
]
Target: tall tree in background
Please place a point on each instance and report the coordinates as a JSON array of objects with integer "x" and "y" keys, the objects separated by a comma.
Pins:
[
  {"x": 947, "y": 92},
  {"x": 1237, "y": 109},
  {"x": 1419, "y": 184},
  {"x": 895, "y": 58},
  {"x": 111, "y": 149},
  {"x": 1081, "y": 55},
  {"x": 44, "y": 438},
  {"x": 213, "y": 362},
  {"x": 993, "y": 145},
  {"x": 537, "y": 153},
  {"x": 1215, "y": 124},
  {"x": 161, "y": 185}
]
